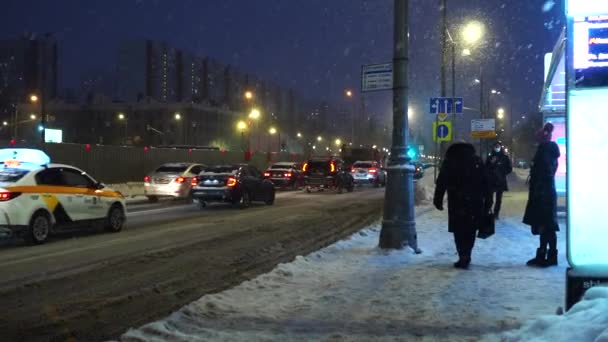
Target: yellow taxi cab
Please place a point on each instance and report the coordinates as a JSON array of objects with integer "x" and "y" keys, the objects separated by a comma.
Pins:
[{"x": 38, "y": 198}]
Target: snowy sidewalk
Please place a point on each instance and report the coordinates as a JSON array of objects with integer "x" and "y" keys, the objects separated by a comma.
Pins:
[{"x": 353, "y": 291}]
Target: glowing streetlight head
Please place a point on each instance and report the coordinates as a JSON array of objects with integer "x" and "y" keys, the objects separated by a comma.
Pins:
[
  {"x": 477, "y": 80},
  {"x": 319, "y": 138},
  {"x": 494, "y": 91},
  {"x": 349, "y": 93},
  {"x": 4, "y": 123},
  {"x": 254, "y": 114},
  {"x": 34, "y": 98},
  {"x": 472, "y": 32},
  {"x": 178, "y": 116},
  {"x": 33, "y": 116},
  {"x": 249, "y": 95},
  {"x": 272, "y": 130},
  {"x": 338, "y": 142},
  {"x": 375, "y": 146},
  {"x": 466, "y": 52},
  {"x": 121, "y": 116},
  {"x": 299, "y": 135},
  {"x": 500, "y": 113},
  {"x": 241, "y": 125}
]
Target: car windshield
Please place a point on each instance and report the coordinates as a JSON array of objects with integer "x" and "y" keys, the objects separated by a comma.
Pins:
[
  {"x": 318, "y": 166},
  {"x": 172, "y": 169},
  {"x": 11, "y": 175},
  {"x": 282, "y": 166},
  {"x": 363, "y": 165},
  {"x": 222, "y": 169}
]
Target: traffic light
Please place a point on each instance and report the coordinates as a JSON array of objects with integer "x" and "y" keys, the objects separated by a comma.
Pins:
[{"x": 411, "y": 152}]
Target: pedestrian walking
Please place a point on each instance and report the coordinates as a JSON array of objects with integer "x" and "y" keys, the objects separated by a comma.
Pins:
[
  {"x": 499, "y": 166},
  {"x": 541, "y": 210},
  {"x": 463, "y": 176}
]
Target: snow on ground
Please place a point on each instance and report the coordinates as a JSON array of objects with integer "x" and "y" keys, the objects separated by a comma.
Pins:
[
  {"x": 586, "y": 321},
  {"x": 353, "y": 291}
]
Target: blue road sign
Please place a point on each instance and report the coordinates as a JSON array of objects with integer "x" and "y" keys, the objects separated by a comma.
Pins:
[
  {"x": 445, "y": 105},
  {"x": 442, "y": 131}
]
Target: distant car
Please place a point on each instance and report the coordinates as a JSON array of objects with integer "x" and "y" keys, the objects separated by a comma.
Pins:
[
  {"x": 327, "y": 173},
  {"x": 285, "y": 175},
  {"x": 418, "y": 171},
  {"x": 171, "y": 180},
  {"x": 368, "y": 172},
  {"x": 238, "y": 184},
  {"x": 38, "y": 198}
]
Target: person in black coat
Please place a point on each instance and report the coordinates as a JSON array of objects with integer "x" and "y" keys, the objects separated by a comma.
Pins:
[
  {"x": 499, "y": 166},
  {"x": 541, "y": 210},
  {"x": 465, "y": 179}
]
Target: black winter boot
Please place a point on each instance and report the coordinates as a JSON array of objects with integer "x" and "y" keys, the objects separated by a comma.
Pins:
[
  {"x": 551, "y": 258},
  {"x": 463, "y": 262},
  {"x": 539, "y": 259}
]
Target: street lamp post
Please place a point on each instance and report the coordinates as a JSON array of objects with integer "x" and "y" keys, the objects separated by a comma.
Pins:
[
  {"x": 398, "y": 224},
  {"x": 241, "y": 126},
  {"x": 123, "y": 117}
]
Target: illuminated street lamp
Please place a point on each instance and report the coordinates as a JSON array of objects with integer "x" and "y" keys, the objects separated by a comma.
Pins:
[
  {"x": 272, "y": 131},
  {"x": 254, "y": 114},
  {"x": 4, "y": 123},
  {"x": 338, "y": 142},
  {"x": 121, "y": 116},
  {"x": 319, "y": 138},
  {"x": 472, "y": 32},
  {"x": 299, "y": 135},
  {"x": 241, "y": 126},
  {"x": 248, "y": 95},
  {"x": 33, "y": 98},
  {"x": 178, "y": 116},
  {"x": 500, "y": 114},
  {"x": 32, "y": 117},
  {"x": 348, "y": 93},
  {"x": 466, "y": 52}
]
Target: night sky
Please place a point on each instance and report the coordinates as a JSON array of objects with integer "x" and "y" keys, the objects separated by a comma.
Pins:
[{"x": 316, "y": 47}]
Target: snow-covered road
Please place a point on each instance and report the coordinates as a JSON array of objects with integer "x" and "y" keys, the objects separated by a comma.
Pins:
[{"x": 353, "y": 291}]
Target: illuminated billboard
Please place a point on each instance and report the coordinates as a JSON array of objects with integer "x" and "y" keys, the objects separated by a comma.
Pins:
[{"x": 590, "y": 51}]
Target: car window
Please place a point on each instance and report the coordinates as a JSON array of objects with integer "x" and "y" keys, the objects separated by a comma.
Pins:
[
  {"x": 363, "y": 165},
  {"x": 75, "y": 178},
  {"x": 222, "y": 169},
  {"x": 51, "y": 176},
  {"x": 12, "y": 175},
  {"x": 171, "y": 169},
  {"x": 318, "y": 166},
  {"x": 196, "y": 169}
]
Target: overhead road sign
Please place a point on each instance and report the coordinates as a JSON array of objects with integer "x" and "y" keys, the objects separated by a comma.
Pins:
[
  {"x": 446, "y": 105},
  {"x": 376, "y": 77}
]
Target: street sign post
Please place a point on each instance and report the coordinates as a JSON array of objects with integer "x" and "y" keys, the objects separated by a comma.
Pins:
[
  {"x": 483, "y": 128},
  {"x": 442, "y": 131},
  {"x": 375, "y": 77}
]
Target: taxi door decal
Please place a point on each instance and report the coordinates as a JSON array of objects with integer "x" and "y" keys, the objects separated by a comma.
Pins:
[{"x": 55, "y": 207}]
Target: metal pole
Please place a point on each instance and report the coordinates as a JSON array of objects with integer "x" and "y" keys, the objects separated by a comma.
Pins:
[
  {"x": 444, "y": 38},
  {"x": 481, "y": 115},
  {"x": 454, "y": 90},
  {"x": 398, "y": 224}
]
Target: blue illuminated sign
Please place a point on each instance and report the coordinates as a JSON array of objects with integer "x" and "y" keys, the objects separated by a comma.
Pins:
[
  {"x": 24, "y": 155},
  {"x": 586, "y": 7}
]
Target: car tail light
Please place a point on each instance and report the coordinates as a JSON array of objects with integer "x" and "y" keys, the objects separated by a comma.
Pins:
[
  {"x": 373, "y": 170},
  {"x": 7, "y": 196},
  {"x": 231, "y": 182},
  {"x": 147, "y": 179},
  {"x": 332, "y": 167},
  {"x": 180, "y": 180},
  {"x": 353, "y": 170},
  {"x": 305, "y": 167},
  {"x": 288, "y": 174},
  {"x": 266, "y": 174},
  {"x": 194, "y": 181}
]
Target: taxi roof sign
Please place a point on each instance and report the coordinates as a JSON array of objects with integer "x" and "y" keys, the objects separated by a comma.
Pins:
[{"x": 24, "y": 155}]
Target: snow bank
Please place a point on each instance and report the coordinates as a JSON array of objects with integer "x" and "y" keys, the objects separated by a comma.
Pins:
[
  {"x": 586, "y": 321},
  {"x": 353, "y": 291}
]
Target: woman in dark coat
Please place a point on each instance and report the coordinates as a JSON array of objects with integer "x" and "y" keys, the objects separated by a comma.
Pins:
[
  {"x": 541, "y": 210},
  {"x": 499, "y": 166},
  {"x": 465, "y": 179}
]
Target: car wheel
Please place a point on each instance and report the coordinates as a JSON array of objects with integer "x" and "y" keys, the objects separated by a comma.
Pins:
[
  {"x": 270, "y": 200},
  {"x": 295, "y": 186},
  {"x": 152, "y": 199},
  {"x": 116, "y": 219},
  {"x": 39, "y": 228},
  {"x": 308, "y": 190},
  {"x": 202, "y": 205}
]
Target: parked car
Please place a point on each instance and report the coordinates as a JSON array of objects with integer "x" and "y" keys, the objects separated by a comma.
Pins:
[
  {"x": 238, "y": 184},
  {"x": 368, "y": 172},
  {"x": 327, "y": 173},
  {"x": 285, "y": 175},
  {"x": 171, "y": 180}
]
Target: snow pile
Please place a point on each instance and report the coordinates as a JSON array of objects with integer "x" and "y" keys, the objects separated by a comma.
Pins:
[
  {"x": 586, "y": 321},
  {"x": 354, "y": 291}
]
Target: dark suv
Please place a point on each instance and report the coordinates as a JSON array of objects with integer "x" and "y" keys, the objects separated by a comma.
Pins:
[{"x": 327, "y": 173}]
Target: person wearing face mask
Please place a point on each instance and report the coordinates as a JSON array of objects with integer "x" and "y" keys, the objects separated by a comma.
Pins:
[
  {"x": 541, "y": 210},
  {"x": 499, "y": 166}
]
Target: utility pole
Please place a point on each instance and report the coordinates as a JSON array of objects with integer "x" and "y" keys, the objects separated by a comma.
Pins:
[
  {"x": 481, "y": 115},
  {"x": 398, "y": 224},
  {"x": 444, "y": 40}
]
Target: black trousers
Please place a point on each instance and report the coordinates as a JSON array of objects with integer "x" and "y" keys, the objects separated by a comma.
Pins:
[
  {"x": 498, "y": 202},
  {"x": 465, "y": 240}
]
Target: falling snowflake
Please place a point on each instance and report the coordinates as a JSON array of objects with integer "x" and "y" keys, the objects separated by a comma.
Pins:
[{"x": 548, "y": 5}]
